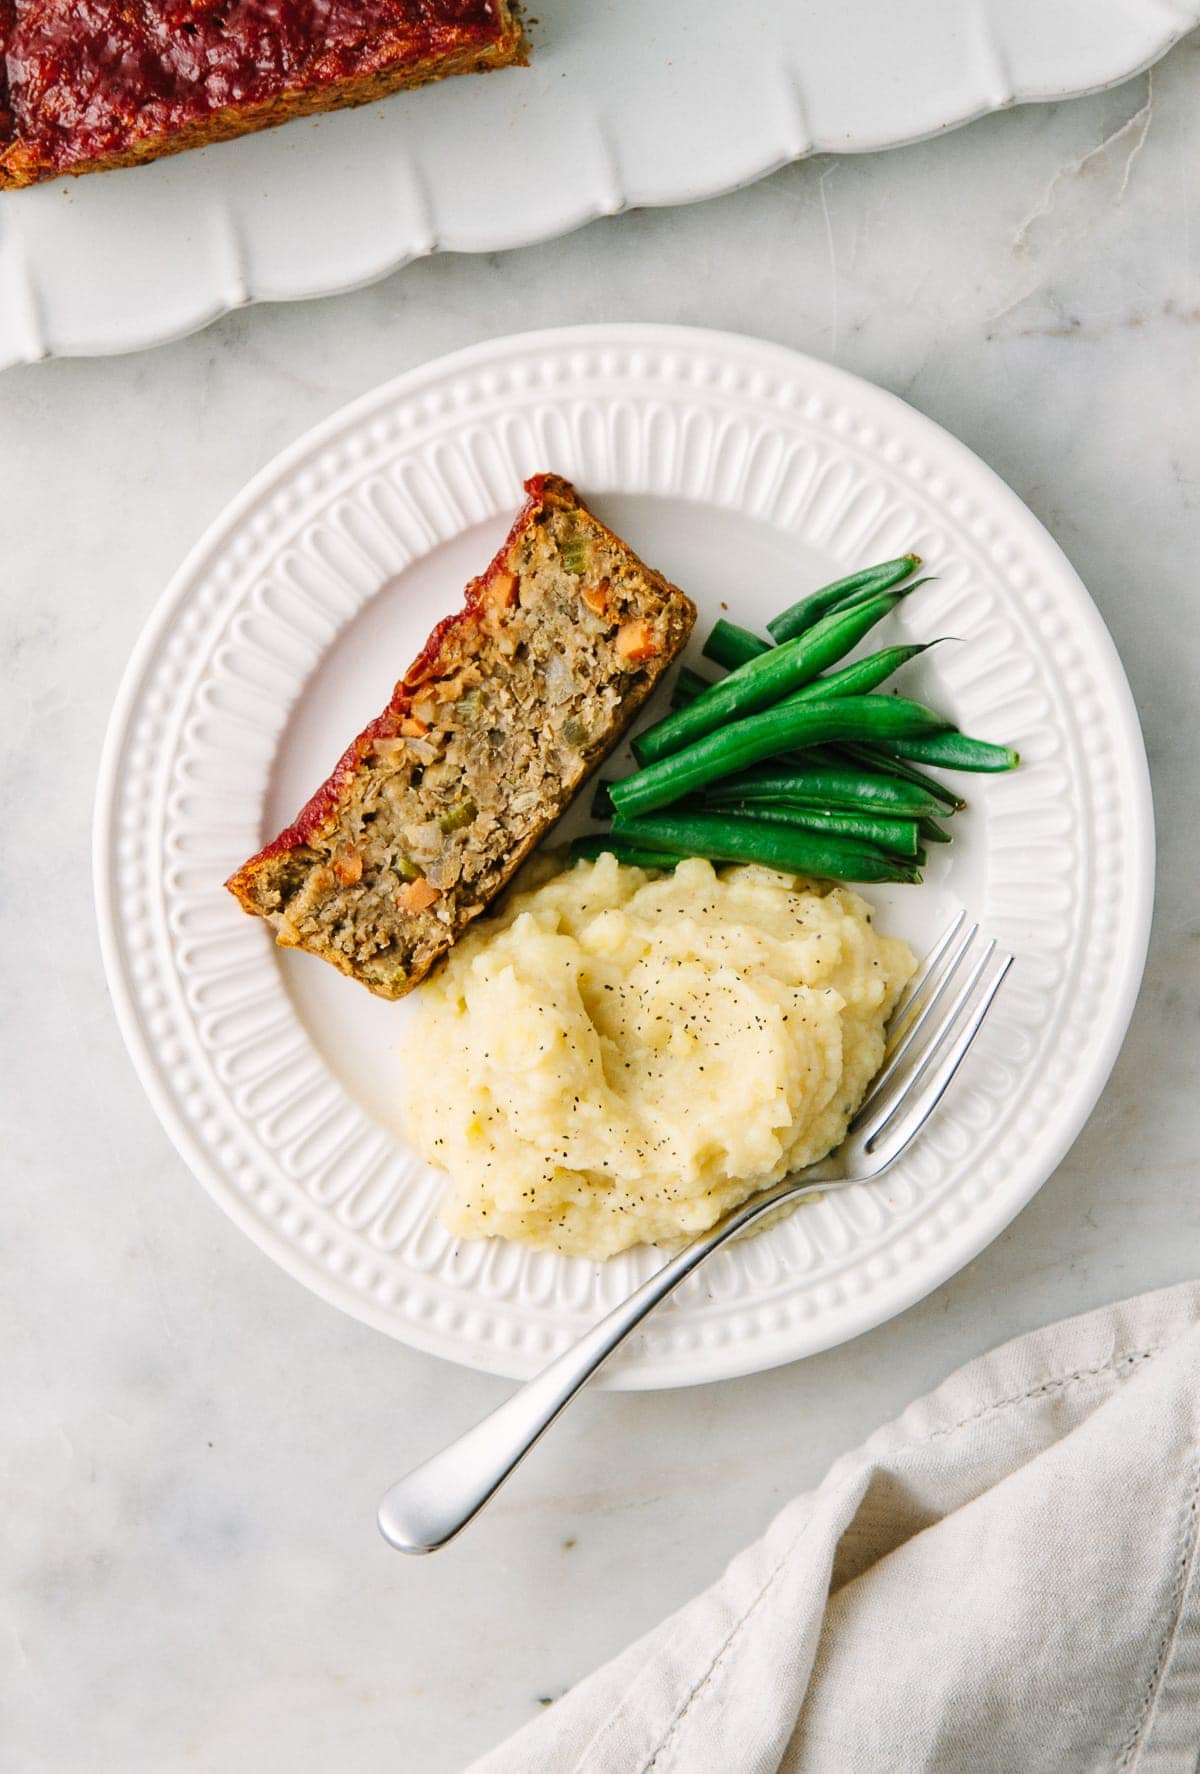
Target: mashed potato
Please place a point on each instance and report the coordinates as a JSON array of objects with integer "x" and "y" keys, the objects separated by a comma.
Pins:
[{"x": 619, "y": 1058}]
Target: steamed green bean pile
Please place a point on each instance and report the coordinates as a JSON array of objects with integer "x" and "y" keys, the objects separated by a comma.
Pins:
[{"x": 793, "y": 759}]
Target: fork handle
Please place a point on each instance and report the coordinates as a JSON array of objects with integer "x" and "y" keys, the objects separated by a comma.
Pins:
[{"x": 436, "y": 1500}]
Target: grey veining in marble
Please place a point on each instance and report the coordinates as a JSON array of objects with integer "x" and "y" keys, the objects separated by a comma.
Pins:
[{"x": 191, "y": 1446}]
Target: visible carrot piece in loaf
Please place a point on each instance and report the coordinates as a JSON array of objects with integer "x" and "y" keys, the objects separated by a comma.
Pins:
[{"x": 636, "y": 641}]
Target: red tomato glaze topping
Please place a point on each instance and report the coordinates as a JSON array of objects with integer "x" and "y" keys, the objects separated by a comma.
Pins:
[
  {"x": 7, "y": 20},
  {"x": 81, "y": 78}
]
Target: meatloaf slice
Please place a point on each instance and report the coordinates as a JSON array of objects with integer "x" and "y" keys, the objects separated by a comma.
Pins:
[
  {"x": 514, "y": 700},
  {"x": 87, "y": 87}
]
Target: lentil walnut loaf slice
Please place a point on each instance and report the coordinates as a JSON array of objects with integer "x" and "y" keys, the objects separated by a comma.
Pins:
[
  {"x": 86, "y": 85},
  {"x": 488, "y": 735}
]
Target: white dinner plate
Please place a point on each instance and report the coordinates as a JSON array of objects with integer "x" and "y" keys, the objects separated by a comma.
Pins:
[
  {"x": 625, "y": 104},
  {"x": 748, "y": 474}
]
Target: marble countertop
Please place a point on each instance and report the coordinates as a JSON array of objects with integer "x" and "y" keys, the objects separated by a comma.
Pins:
[{"x": 192, "y": 1446}]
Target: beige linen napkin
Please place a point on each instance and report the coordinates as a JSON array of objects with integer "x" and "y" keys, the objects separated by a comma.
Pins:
[{"x": 1002, "y": 1579}]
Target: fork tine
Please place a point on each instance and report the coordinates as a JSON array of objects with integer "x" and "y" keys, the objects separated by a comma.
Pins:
[
  {"x": 905, "y": 1071},
  {"x": 932, "y": 988},
  {"x": 914, "y": 992},
  {"x": 923, "y": 1024},
  {"x": 950, "y": 1049}
]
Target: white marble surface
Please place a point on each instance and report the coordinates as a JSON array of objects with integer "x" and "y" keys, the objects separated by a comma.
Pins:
[{"x": 191, "y": 1446}]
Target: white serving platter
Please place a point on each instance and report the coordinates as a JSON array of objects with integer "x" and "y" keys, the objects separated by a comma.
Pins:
[
  {"x": 748, "y": 474},
  {"x": 626, "y": 103}
]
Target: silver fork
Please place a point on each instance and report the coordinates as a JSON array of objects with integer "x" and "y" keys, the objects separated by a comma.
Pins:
[{"x": 928, "y": 1037}]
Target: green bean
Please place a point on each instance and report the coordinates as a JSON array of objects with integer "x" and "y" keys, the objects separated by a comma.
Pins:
[
  {"x": 851, "y": 680},
  {"x": 762, "y": 681},
  {"x": 867, "y": 581},
  {"x": 932, "y": 832},
  {"x": 863, "y": 675},
  {"x": 764, "y": 735},
  {"x": 813, "y": 757},
  {"x": 731, "y": 646},
  {"x": 953, "y": 751},
  {"x": 598, "y": 844},
  {"x": 881, "y": 761},
  {"x": 602, "y": 806},
  {"x": 688, "y": 685},
  {"x": 854, "y": 790},
  {"x": 792, "y": 851},
  {"x": 897, "y": 835}
]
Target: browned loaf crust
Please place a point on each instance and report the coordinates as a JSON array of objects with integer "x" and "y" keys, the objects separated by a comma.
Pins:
[
  {"x": 512, "y": 703},
  {"x": 56, "y": 121}
]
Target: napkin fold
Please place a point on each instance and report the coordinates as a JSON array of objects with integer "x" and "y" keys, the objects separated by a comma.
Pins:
[{"x": 1002, "y": 1579}]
